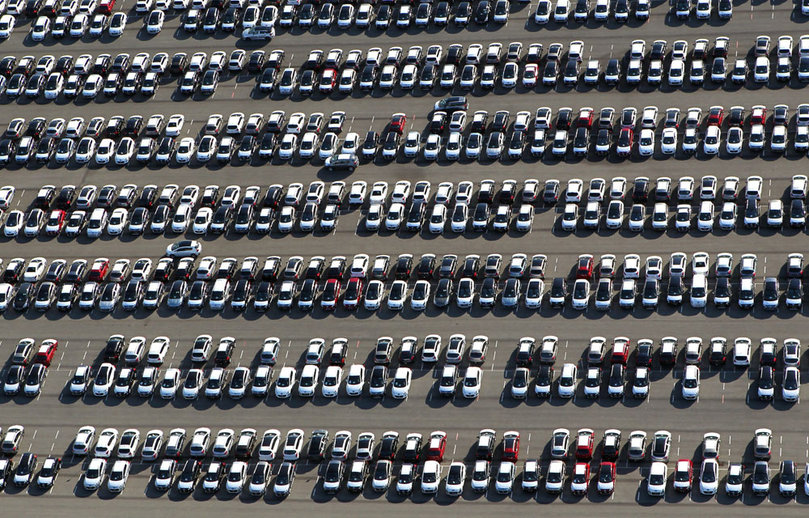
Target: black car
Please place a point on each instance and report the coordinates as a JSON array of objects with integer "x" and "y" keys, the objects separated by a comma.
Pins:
[
  {"x": 317, "y": 444},
  {"x": 25, "y": 469},
  {"x": 189, "y": 475},
  {"x": 452, "y": 104},
  {"x": 22, "y": 299},
  {"x": 379, "y": 377},
  {"x": 14, "y": 380},
  {"x": 389, "y": 446},
  {"x": 544, "y": 380},
  {"x": 404, "y": 266},
  {"x": 426, "y": 267},
  {"x": 765, "y": 382},
  {"x": 483, "y": 12},
  {"x": 448, "y": 265},
  {"x": 112, "y": 351},
  {"x": 558, "y": 291},
  {"x": 640, "y": 190}
]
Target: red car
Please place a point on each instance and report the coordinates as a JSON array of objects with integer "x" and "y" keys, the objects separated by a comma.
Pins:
[
  {"x": 511, "y": 446},
  {"x": 585, "y": 440},
  {"x": 105, "y": 6},
  {"x": 46, "y": 351},
  {"x": 758, "y": 116},
  {"x": 398, "y": 122},
  {"x": 99, "y": 270},
  {"x": 585, "y": 118},
  {"x": 606, "y": 478},
  {"x": 620, "y": 350},
  {"x": 716, "y": 115},
  {"x": 353, "y": 294},
  {"x": 437, "y": 445},
  {"x": 584, "y": 270}
]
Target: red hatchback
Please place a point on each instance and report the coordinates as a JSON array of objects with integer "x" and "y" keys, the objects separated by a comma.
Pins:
[
  {"x": 620, "y": 350},
  {"x": 758, "y": 116},
  {"x": 584, "y": 444},
  {"x": 716, "y": 115},
  {"x": 437, "y": 445},
  {"x": 99, "y": 270},
  {"x": 398, "y": 122},
  {"x": 46, "y": 351},
  {"x": 105, "y": 6},
  {"x": 585, "y": 118},
  {"x": 584, "y": 269},
  {"x": 511, "y": 446}
]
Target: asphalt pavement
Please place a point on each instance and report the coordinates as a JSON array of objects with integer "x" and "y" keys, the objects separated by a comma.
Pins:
[{"x": 727, "y": 402}]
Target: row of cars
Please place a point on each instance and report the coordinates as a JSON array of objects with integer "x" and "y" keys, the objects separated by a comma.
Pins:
[
  {"x": 25, "y": 471},
  {"x": 106, "y": 285},
  {"x": 592, "y": 134},
  {"x": 28, "y": 367},
  {"x": 421, "y": 462},
  {"x": 72, "y": 211},
  {"x": 243, "y": 381},
  {"x": 605, "y": 365},
  {"x": 270, "y": 446},
  {"x": 345, "y": 16},
  {"x": 450, "y": 135},
  {"x": 514, "y": 66},
  {"x": 683, "y": 218},
  {"x": 118, "y": 141},
  {"x": 307, "y": 382},
  {"x": 477, "y": 67},
  {"x": 357, "y": 195},
  {"x": 607, "y": 371}
]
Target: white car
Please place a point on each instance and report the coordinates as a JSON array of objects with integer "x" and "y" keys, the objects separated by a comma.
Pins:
[
  {"x": 285, "y": 382},
  {"x": 7, "y": 24},
  {"x": 646, "y": 142},
  {"x": 84, "y": 440},
  {"x": 400, "y": 387},
  {"x": 236, "y": 477},
  {"x": 668, "y": 141},
  {"x": 734, "y": 141},
  {"x": 712, "y": 140},
  {"x": 432, "y": 147},
  {"x": 690, "y": 382},
  {"x": 107, "y": 440},
  {"x": 472, "y": 382},
  {"x": 430, "y": 477},
  {"x": 657, "y": 480},
  {"x": 94, "y": 476},
  {"x": 555, "y": 477},
  {"x": 331, "y": 381},
  {"x": 355, "y": 381}
]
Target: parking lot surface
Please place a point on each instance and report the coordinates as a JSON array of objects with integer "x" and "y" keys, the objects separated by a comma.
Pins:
[{"x": 728, "y": 401}]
